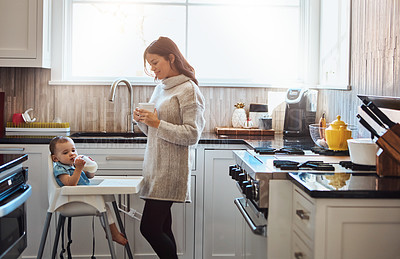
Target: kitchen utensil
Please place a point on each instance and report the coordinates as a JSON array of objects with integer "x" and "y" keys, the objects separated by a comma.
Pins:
[
  {"x": 337, "y": 135},
  {"x": 26, "y": 116},
  {"x": 372, "y": 115},
  {"x": 379, "y": 113},
  {"x": 367, "y": 126},
  {"x": 362, "y": 151},
  {"x": 265, "y": 123},
  {"x": 257, "y": 111}
]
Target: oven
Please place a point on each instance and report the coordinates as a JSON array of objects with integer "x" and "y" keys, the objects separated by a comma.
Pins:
[
  {"x": 265, "y": 204},
  {"x": 14, "y": 193}
]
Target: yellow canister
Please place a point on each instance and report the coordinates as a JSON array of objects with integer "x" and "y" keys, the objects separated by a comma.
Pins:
[{"x": 337, "y": 135}]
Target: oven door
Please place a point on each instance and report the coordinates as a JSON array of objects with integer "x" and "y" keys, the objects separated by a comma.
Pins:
[
  {"x": 13, "y": 224},
  {"x": 255, "y": 230}
]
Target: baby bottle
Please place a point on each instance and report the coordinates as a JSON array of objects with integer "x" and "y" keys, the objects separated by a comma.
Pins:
[{"x": 90, "y": 166}]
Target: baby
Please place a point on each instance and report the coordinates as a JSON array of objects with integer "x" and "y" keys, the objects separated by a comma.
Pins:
[{"x": 68, "y": 171}]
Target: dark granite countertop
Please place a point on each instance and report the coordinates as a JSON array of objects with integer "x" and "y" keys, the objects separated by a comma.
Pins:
[
  {"x": 347, "y": 185},
  {"x": 8, "y": 161},
  {"x": 206, "y": 138}
]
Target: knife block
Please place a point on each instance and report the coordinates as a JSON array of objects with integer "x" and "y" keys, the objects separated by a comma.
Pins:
[
  {"x": 390, "y": 143},
  {"x": 386, "y": 165}
]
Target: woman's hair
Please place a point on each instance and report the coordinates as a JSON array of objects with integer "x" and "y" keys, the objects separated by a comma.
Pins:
[
  {"x": 163, "y": 47},
  {"x": 55, "y": 141}
]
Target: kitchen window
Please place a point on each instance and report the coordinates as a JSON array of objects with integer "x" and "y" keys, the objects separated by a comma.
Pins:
[{"x": 229, "y": 42}]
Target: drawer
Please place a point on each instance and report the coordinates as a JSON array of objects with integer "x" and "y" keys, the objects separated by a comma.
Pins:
[
  {"x": 299, "y": 249},
  {"x": 303, "y": 213},
  {"x": 116, "y": 159}
]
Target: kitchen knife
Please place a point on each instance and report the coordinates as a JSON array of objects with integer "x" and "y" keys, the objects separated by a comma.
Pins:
[
  {"x": 367, "y": 126},
  {"x": 372, "y": 115},
  {"x": 379, "y": 113}
]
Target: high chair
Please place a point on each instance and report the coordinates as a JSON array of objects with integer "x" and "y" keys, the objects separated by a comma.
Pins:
[{"x": 86, "y": 200}]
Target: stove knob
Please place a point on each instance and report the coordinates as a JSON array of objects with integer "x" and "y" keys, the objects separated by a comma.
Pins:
[
  {"x": 244, "y": 184},
  {"x": 249, "y": 192},
  {"x": 232, "y": 169},
  {"x": 235, "y": 173},
  {"x": 242, "y": 177}
]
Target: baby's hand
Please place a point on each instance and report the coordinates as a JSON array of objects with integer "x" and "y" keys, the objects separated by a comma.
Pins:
[{"x": 79, "y": 162}]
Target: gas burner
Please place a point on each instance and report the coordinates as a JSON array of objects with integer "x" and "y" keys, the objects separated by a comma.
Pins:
[
  {"x": 314, "y": 165},
  {"x": 357, "y": 167},
  {"x": 328, "y": 152},
  {"x": 284, "y": 150}
]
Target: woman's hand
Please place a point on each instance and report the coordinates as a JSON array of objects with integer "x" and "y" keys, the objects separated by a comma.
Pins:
[{"x": 147, "y": 117}]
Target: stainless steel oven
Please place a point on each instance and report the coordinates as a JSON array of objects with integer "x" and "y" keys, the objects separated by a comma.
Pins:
[
  {"x": 14, "y": 192},
  {"x": 264, "y": 205}
]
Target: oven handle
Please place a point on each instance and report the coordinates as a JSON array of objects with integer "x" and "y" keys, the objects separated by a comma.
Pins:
[
  {"x": 16, "y": 202},
  {"x": 258, "y": 230}
]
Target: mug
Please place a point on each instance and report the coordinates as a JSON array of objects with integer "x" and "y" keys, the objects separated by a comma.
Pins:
[{"x": 147, "y": 106}]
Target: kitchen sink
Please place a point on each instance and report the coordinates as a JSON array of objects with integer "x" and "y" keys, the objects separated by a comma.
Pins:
[{"x": 103, "y": 134}]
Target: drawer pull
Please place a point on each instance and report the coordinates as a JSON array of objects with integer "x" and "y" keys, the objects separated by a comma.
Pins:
[
  {"x": 302, "y": 214},
  {"x": 124, "y": 158},
  {"x": 12, "y": 149},
  {"x": 298, "y": 255}
]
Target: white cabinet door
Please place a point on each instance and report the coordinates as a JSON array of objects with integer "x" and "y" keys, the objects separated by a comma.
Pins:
[
  {"x": 362, "y": 232},
  {"x": 182, "y": 227},
  {"x": 223, "y": 223},
  {"x": 37, "y": 204},
  {"x": 25, "y": 33}
]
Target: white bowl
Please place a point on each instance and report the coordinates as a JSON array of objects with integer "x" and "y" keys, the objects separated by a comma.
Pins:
[{"x": 362, "y": 151}]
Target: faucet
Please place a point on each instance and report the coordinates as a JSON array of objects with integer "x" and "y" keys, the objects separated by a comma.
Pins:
[{"x": 113, "y": 88}]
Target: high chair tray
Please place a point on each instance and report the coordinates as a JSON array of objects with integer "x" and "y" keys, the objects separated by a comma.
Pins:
[{"x": 106, "y": 185}]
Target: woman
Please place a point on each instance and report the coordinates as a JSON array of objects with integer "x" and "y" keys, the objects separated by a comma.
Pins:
[{"x": 172, "y": 129}]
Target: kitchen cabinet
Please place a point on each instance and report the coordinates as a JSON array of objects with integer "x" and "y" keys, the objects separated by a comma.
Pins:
[
  {"x": 25, "y": 33},
  {"x": 127, "y": 159},
  {"x": 223, "y": 224},
  {"x": 344, "y": 228},
  {"x": 37, "y": 204}
]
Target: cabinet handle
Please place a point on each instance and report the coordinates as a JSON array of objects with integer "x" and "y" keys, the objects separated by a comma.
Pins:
[
  {"x": 302, "y": 214},
  {"x": 298, "y": 255},
  {"x": 125, "y": 158},
  {"x": 12, "y": 149}
]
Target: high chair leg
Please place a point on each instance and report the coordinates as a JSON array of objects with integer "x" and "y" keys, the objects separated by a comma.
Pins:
[
  {"x": 122, "y": 229},
  {"x": 103, "y": 216},
  {"x": 44, "y": 235},
  {"x": 61, "y": 221}
]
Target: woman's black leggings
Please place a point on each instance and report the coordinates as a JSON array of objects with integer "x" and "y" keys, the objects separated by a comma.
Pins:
[{"x": 156, "y": 228}]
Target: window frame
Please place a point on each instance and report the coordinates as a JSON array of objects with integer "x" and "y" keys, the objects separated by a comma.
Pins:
[{"x": 309, "y": 41}]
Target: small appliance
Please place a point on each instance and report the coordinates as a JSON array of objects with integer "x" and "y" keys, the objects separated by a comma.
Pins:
[{"x": 301, "y": 107}]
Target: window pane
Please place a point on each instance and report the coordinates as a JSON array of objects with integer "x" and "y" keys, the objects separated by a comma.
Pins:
[
  {"x": 244, "y": 43},
  {"x": 111, "y": 42}
]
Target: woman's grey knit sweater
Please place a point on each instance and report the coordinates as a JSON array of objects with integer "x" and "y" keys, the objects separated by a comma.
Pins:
[{"x": 170, "y": 148}]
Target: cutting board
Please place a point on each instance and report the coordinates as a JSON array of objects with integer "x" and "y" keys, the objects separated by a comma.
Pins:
[{"x": 242, "y": 131}]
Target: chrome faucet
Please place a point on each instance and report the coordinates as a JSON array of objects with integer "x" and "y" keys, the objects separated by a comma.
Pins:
[{"x": 113, "y": 88}]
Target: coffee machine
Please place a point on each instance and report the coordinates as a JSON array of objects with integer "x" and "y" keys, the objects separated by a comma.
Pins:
[{"x": 301, "y": 107}]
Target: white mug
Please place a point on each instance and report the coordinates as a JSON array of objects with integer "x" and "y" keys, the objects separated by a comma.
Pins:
[{"x": 147, "y": 106}]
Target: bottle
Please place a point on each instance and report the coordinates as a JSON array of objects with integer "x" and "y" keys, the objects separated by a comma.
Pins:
[
  {"x": 322, "y": 126},
  {"x": 90, "y": 166}
]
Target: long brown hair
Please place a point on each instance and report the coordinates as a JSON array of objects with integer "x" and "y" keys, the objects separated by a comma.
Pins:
[{"x": 163, "y": 47}]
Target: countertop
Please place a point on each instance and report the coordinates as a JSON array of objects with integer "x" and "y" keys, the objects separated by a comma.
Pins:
[
  {"x": 206, "y": 138},
  {"x": 316, "y": 185}
]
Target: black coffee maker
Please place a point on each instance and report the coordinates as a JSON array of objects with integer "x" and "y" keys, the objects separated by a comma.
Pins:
[{"x": 301, "y": 107}]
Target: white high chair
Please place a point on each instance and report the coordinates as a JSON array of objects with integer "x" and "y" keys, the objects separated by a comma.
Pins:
[{"x": 84, "y": 200}]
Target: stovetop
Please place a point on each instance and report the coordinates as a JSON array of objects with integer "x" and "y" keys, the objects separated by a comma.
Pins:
[{"x": 254, "y": 162}]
